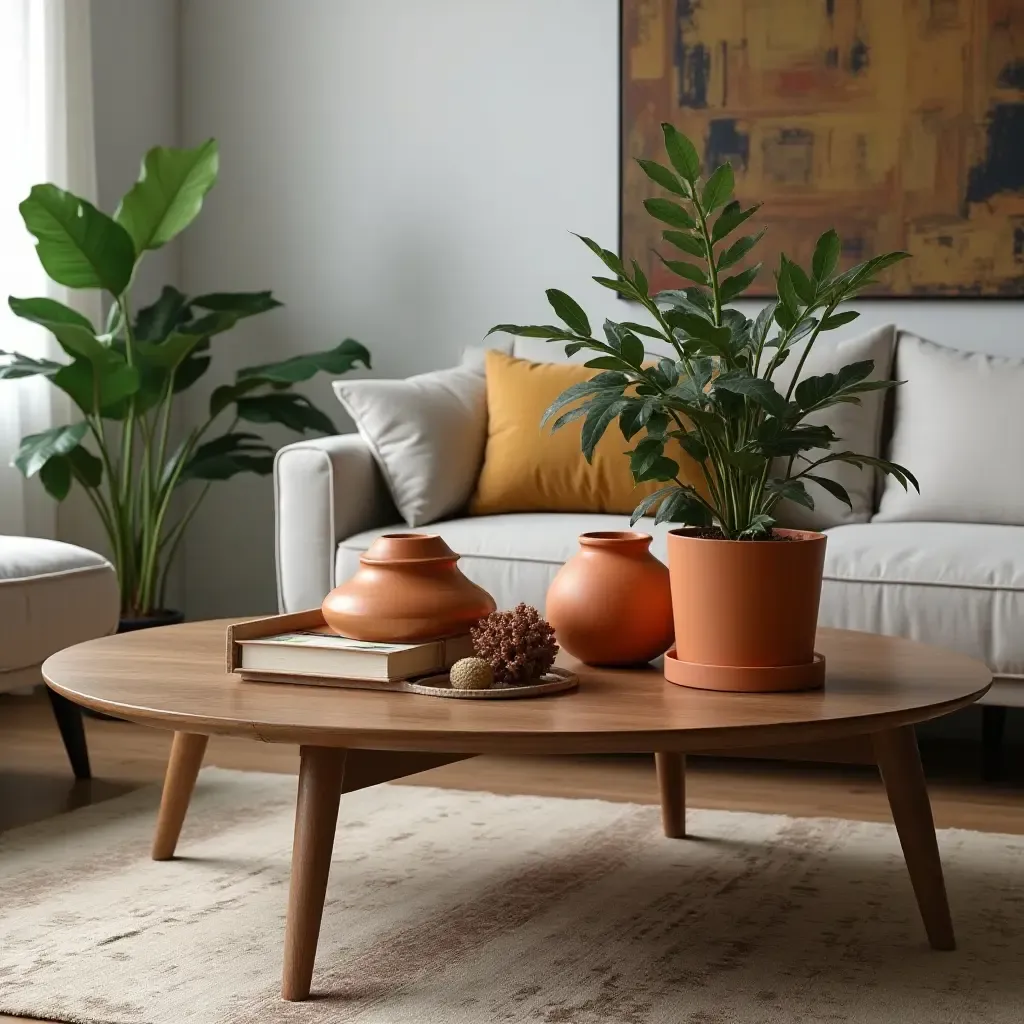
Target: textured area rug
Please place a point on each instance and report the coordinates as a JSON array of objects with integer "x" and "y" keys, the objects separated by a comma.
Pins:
[{"x": 469, "y": 908}]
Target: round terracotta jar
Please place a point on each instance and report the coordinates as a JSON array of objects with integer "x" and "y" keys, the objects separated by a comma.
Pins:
[
  {"x": 408, "y": 588},
  {"x": 611, "y": 603},
  {"x": 746, "y": 611}
]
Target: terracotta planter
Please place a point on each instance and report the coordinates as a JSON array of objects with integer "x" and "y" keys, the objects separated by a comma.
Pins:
[
  {"x": 408, "y": 588},
  {"x": 610, "y": 604},
  {"x": 746, "y": 612}
]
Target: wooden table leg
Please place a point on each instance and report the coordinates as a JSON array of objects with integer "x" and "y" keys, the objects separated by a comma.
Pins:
[
  {"x": 900, "y": 765},
  {"x": 321, "y": 773},
  {"x": 672, "y": 783},
  {"x": 186, "y": 759}
]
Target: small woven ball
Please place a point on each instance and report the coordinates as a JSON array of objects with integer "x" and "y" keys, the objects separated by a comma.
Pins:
[{"x": 471, "y": 674}]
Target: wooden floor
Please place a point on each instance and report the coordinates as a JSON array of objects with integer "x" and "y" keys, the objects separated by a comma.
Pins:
[{"x": 36, "y": 783}]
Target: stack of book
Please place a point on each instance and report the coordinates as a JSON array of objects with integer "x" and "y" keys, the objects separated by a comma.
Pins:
[{"x": 320, "y": 657}]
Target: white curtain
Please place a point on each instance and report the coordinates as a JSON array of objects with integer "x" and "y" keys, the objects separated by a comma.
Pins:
[{"x": 46, "y": 122}]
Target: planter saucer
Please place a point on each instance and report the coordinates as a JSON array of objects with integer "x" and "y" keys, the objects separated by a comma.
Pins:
[{"x": 746, "y": 679}]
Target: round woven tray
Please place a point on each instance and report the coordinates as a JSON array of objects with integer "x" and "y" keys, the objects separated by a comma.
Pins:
[{"x": 555, "y": 680}]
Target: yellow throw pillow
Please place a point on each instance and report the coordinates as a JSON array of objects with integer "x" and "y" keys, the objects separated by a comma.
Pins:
[{"x": 529, "y": 469}]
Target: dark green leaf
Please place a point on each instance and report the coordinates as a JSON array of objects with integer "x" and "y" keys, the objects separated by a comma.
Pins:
[
  {"x": 830, "y": 323},
  {"x": 739, "y": 249},
  {"x": 168, "y": 195},
  {"x": 802, "y": 284},
  {"x": 648, "y": 502},
  {"x": 614, "y": 383},
  {"x": 687, "y": 270},
  {"x": 37, "y": 449},
  {"x": 693, "y": 446},
  {"x": 826, "y": 255},
  {"x": 569, "y": 311},
  {"x": 688, "y": 243},
  {"x": 602, "y": 412},
  {"x": 787, "y": 293},
  {"x": 662, "y": 468},
  {"x": 55, "y": 476},
  {"x": 746, "y": 461},
  {"x": 759, "y": 526},
  {"x": 763, "y": 324},
  {"x": 547, "y": 331},
  {"x": 630, "y": 421},
  {"x": 762, "y": 391},
  {"x": 730, "y": 219},
  {"x": 617, "y": 285},
  {"x": 718, "y": 188},
  {"x": 607, "y": 363},
  {"x": 633, "y": 350},
  {"x": 240, "y": 304},
  {"x": 792, "y": 490},
  {"x": 682, "y": 152},
  {"x": 647, "y": 332},
  {"x": 155, "y": 322},
  {"x": 683, "y": 506},
  {"x": 669, "y": 213},
  {"x": 98, "y": 389},
  {"x": 662, "y": 176},
  {"x": 738, "y": 283},
  {"x": 341, "y": 359},
  {"x": 607, "y": 257},
  {"x": 78, "y": 246},
  {"x": 48, "y": 311},
  {"x": 639, "y": 278},
  {"x": 835, "y": 489},
  {"x": 87, "y": 469},
  {"x": 295, "y": 412},
  {"x": 19, "y": 365}
]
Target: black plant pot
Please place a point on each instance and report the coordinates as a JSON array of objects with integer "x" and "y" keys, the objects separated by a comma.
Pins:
[{"x": 161, "y": 617}]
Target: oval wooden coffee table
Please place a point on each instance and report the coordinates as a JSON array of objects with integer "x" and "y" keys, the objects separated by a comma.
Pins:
[{"x": 174, "y": 678}]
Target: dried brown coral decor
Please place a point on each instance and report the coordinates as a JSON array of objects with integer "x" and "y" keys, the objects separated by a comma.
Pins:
[{"x": 519, "y": 645}]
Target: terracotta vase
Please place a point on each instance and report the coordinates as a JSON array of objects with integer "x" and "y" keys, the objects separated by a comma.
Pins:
[
  {"x": 610, "y": 604},
  {"x": 746, "y": 611},
  {"x": 408, "y": 588}
]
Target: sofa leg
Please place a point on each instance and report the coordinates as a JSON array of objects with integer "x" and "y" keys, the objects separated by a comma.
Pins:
[
  {"x": 72, "y": 732},
  {"x": 993, "y": 729}
]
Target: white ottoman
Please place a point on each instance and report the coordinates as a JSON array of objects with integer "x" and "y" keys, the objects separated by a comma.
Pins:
[{"x": 52, "y": 595}]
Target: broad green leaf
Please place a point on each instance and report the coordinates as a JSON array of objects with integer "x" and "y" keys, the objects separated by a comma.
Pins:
[
  {"x": 662, "y": 468},
  {"x": 787, "y": 293},
  {"x": 647, "y": 332},
  {"x": 688, "y": 243},
  {"x": 730, "y": 219},
  {"x": 826, "y": 255},
  {"x": 341, "y": 359},
  {"x": 738, "y": 283},
  {"x": 169, "y": 354},
  {"x": 792, "y": 490},
  {"x": 228, "y": 455},
  {"x": 617, "y": 285},
  {"x": 683, "y": 505},
  {"x": 763, "y": 324},
  {"x": 547, "y": 331},
  {"x": 168, "y": 195},
  {"x": 630, "y": 421},
  {"x": 669, "y": 213},
  {"x": 569, "y": 311},
  {"x": 607, "y": 363},
  {"x": 633, "y": 350},
  {"x": 663, "y": 177},
  {"x": 698, "y": 326},
  {"x": 48, "y": 311},
  {"x": 223, "y": 396},
  {"x": 802, "y": 284},
  {"x": 600, "y": 415},
  {"x": 55, "y": 476},
  {"x": 639, "y": 278},
  {"x": 87, "y": 469},
  {"x": 648, "y": 503},
  {"x": 78, "y": 246},
  {"x": 830, "y": 323},
  {"x": 686, "y": 270},
  {"x": 37, "y": 449},
  {"x": 613, "y": 382},
  {"x": 156, "y": 321},
  {"x": 607, "y": 257},
  {"x": 718, "y": 188},
  {"x": 241, "y": 304},
  {"x": 190, "y": 371},
  {"x": 693, "y": 446},
  {"x": 762, "y": 391},
  {"x": 739, "y": 249},
  {"x": 98, "y": 388},
  {"x": 682, "y": 152},
  {"x": 296, "y": 412},
  {"x": 759, "y": 526},
  {"x": 745, "y": 461}
]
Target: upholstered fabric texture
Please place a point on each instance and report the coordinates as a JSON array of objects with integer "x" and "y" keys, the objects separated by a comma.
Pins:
[
  {"x": 466, "y": 908},
  {"x": 959, "y": 427},
  {"x": 858, "y": 426},
  {"x": 427, "y": 434},
  {"x": 52, "y": 595},
  {"x": 530, "y": 469}
]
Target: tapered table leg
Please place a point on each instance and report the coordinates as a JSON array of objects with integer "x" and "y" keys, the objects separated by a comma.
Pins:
[
  {"x": 672, "y": 783},
  {"x": 321, "y": 773},
  {"x": 187, "y": 751},
  {"x": 900, "y": 765}
]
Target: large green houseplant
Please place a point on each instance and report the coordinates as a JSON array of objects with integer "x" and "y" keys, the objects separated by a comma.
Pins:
[
  {"x": 713, "y": 393},
  {"x": 125, "y": 379}
]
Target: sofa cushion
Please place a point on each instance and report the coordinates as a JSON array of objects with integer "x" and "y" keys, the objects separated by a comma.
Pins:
[
  {"x": 957, "y": 585},
  {"x": 52, "y": 595},
  {"x": 957, "y": 427},
  {"x": 513, "y": 557}
]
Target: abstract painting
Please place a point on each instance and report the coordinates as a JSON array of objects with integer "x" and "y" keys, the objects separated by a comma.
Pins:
[{"x": 898, "y": 122}]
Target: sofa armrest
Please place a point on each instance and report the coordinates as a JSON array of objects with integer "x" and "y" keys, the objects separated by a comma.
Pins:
[{"x": 325, "y": 490}]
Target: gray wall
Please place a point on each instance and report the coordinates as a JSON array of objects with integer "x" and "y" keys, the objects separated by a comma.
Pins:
[{"x": 406, "y": 173}]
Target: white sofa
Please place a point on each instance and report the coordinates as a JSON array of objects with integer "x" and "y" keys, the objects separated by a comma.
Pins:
[{"x": 951, "y": 583}]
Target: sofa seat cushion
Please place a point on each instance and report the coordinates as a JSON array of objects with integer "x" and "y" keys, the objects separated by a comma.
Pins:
[
  {"x": 956, "y": 585},
  {"x": 513, "y": 557},
  {"x": 52, "y": 595}
]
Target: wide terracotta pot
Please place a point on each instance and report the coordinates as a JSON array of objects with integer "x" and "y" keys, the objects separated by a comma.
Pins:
[
  {"x": 611, "y": 604},
  {"x": 408, "y": 588},
  {"x": 746, "y": 611}
]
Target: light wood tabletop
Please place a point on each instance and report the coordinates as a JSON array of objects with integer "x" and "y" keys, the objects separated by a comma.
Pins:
[{"x": 175, "y": 678}]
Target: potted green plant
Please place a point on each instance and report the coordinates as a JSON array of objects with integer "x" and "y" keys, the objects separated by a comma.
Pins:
[
  {"x": 125, "y": 379},
  {"x": 745, "y": 592}
]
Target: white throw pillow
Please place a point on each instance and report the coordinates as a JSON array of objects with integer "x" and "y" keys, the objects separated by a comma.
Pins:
[
  {"x": 427, "y": 434},
  {"x": 959, "y": 428},
  {"x": 858, "y": 426}
]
